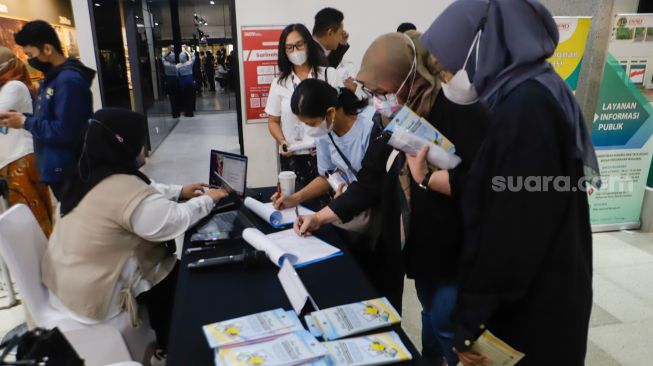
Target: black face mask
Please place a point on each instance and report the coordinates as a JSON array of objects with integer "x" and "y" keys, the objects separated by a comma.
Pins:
[{"x": 43, "y": 67}]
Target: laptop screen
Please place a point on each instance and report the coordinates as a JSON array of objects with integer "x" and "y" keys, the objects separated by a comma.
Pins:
[{"x": 231, "y": 167}]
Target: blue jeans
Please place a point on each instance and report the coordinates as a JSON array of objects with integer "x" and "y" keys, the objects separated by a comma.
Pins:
[{"x": 438, "y": 303}]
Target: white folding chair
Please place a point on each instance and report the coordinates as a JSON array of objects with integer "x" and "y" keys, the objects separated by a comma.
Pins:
[
  {"x": 22, "y": 245},
  {"x": 5, "y": 277},
  {"x": 100, "y": 346}
]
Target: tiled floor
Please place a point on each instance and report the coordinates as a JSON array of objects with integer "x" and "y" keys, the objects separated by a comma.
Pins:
[{"x": 622, "y": 317}]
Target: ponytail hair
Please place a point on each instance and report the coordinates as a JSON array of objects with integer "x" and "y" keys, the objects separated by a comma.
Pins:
[{"x": 313, "y": 97}]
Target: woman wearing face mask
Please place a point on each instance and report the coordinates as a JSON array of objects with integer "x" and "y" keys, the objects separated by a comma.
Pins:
[
  {"x": 17, "y": 165},
  {"x": 106, "y": 252},
  {"x": 421, "y": 226},
  {"x": 343, "y": 128},
  {"x": 299, "y": 59},
  {"x": 341, "y": 125},
  {"x": 527, "y": 263}
]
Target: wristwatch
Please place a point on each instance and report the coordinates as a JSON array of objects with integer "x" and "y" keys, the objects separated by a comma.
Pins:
[{"x": 425, "y": 182}]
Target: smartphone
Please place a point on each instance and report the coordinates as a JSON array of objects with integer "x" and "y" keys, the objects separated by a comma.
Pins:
[{"x": 4, "y": 130}]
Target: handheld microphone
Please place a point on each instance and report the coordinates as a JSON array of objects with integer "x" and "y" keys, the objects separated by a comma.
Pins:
[{"x": 249, "y": 259}]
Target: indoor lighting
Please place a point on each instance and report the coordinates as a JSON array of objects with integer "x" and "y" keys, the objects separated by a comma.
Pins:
[
  {"x": 212, "y": 2},
  {"x": 97, "y": 4}
]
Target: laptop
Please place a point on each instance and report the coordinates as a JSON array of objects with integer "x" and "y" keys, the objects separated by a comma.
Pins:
[{"x": 228, "y": 171}]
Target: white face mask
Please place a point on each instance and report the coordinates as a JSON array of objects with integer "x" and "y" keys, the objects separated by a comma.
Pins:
[
  {"x": 460, "y": 89},
  {"x": 389, "y": 105},
  {"x": 298, "y": 58},
  {"x": 320, "y": 130}
]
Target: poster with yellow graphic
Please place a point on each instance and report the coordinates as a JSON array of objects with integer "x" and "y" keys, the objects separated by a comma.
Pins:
[{"x": 568, "y": 57}]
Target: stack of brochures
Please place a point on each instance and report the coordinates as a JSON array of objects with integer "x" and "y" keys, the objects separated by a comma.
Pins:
[
  {"x": 298, "y": 348},
  {"x": 345, "y": 320},
  {"x": 251, "y": 328},
  {"x": 377, "y": 349},
  {"x": 410, "y": 132}
]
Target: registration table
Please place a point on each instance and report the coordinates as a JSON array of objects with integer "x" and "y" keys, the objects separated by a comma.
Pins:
[{"x": 215, "y": 294}]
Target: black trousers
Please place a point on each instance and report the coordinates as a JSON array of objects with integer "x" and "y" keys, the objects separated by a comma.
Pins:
[
  {"x": 174, "y": 93},
  {"x": 159, "y": 301},
  {"x": 304, "y": 166},
  {"x": 187, "y": 84}
]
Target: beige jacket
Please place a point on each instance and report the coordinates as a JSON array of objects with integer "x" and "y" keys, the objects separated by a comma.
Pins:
[{"x": 89, "y": 247}]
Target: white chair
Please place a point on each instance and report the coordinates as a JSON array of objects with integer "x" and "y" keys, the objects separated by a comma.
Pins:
[
  {"x": 100, "y": 346},
  {"x": 22, "y": 245}
]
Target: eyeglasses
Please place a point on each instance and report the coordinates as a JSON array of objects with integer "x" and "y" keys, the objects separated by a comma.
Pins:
[
  {"x": 299, "y": 46},
  {"x": 376, "y": 94}
]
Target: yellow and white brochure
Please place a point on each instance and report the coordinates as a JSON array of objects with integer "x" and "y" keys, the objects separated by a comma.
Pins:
[
  {"x": 377, "y": 349},
  {"x": 498, "y": 352},
  {"x": 251, "y": 328},
  {"x": 345, "y": 320},
  {"x": 297, "y": 348}
]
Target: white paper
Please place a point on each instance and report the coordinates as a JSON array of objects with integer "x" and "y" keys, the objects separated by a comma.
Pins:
[
  {"x": 293, "y": 286},
  {"x": 411, "y": 144},
  {"x": 300, "y": 251},
  {"x": 261, "y": 242},
  {"x": 276, "y": 218},
  {"x": 306, "y": 250},
  {"x": 302, "y": 146}
]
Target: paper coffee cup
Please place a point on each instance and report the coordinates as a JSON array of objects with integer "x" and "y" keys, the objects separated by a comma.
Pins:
[{"x": 287, "y": 182}]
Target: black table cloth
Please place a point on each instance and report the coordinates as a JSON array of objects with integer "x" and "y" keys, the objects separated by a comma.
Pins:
[{"x": 220, "y": 293}]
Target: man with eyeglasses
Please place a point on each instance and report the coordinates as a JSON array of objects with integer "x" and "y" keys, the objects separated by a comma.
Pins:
[{"x": 63, "y": 106}]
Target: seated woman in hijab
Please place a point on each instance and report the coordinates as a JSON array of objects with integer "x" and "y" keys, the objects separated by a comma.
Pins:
[
  {"x": 422, "y": 223},
  {"x": 527, "y": 263},
  {"x": 107, "y": 250}
]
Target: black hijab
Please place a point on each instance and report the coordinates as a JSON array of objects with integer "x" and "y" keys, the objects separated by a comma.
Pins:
[{"x": 113, "y": 142}]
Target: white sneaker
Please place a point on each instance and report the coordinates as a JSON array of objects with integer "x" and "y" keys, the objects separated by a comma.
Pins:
[{"x": 158, "y": 358}]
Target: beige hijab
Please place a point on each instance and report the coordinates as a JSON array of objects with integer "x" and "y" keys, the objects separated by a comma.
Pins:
[{"x": 389, "y": 59}]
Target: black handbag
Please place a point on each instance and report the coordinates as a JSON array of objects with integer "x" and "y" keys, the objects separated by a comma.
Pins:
[{"x": 40, "y": 347}]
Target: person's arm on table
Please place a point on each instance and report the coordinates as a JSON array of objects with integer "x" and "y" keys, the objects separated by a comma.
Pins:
[
  {"x": 159, "y": 219},
  {"x": 175, "y": 192}
]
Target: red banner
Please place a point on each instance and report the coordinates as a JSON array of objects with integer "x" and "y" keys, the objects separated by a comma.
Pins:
[{"x": 260, "y": 49}]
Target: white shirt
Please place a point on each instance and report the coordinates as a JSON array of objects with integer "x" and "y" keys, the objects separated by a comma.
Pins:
[
  {"x": 17, "y": 142},
  {"x": 278, "y": 105},
  {"x": 157, "y": 218},
  {"x": 353, "y": 145}
]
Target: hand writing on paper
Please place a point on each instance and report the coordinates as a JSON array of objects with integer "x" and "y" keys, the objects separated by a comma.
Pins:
[
  {"x": 417, "y": 164},
  {"x": 306, "y": 225},
  {"x": 281, "y": 202},
  {"x": 193, "y": 190}
]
